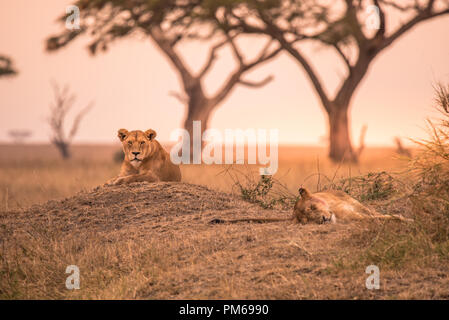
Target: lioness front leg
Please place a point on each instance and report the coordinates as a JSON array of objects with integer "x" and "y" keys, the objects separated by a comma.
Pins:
[
  {"x": 116, "y": 180},
  {"x": 149, "y": 177}
]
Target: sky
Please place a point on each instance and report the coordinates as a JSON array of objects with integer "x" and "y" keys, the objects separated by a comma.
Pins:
[{"x": 130, "y": 84}]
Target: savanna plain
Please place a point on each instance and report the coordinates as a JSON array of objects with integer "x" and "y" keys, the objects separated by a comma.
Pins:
[{"x": 154, "y": 240}]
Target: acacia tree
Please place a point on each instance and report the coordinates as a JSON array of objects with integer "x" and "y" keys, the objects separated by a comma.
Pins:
[
  {"x": 354, "y": 33},
  {"x": 168, "y": 23},
  {"x": 6, "y": 67},
  {"x": 58, "y": 112}
]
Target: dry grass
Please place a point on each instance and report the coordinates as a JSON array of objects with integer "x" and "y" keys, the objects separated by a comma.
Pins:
[
  {"x": 35, "y": 174},
  {"x": 424, "y": 196},
  {"x": 154, "y": 241}
]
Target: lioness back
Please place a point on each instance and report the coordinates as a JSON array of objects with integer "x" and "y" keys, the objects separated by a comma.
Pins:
[{"x": 345, "y": 207}]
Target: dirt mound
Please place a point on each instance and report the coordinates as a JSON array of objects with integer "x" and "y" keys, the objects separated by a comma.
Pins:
[
  {"x": 111, "y": 208},
  {"x": 154, "y": 241}
]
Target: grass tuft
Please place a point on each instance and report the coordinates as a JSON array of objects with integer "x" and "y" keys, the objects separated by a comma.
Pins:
[
  {"x": 424, "y": 242},
  {"x": 262, "y": 190}
]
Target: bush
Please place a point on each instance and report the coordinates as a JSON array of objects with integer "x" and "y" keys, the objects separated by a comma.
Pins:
[
  {"x": 426, "y": 240},
  {"x": 263, "y": 190}
]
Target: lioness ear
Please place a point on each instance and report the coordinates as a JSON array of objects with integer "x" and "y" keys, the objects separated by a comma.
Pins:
[
  {"x": 303, "y": 192},
  {"x": 333, "y": 218},
  {"x": 122, "y": 134},
  {"x": 151, "y": 134}
]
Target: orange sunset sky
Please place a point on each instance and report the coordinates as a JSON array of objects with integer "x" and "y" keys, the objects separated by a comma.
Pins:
[{"x": 130, "y": 84}]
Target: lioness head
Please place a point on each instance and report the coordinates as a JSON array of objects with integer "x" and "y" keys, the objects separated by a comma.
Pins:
[
  {"x": 137, "y": 145},
  {"x": 310, "y": 209}
]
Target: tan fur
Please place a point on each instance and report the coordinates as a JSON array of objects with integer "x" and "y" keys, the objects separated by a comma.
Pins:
[
  {"x": 145, "y": 159},
  {"x": 334, "y": 206},
  {"x": 322, "y": 207}
]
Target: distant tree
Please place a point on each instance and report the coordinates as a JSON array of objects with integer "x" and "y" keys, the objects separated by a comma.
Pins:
[
  {"x": 19, "y": 135},
  {"x": 400, "y": 149},
  {"x": 6, "y": 67},
  {"x": 168, "y": 23},
  {"x": 356, "y": 30},
  {"x": 58, "y": 112}
]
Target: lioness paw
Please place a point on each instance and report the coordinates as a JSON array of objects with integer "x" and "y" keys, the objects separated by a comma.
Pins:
[
  {"x": 110, "y": 182},
  {"x": 118, "y": 181}
]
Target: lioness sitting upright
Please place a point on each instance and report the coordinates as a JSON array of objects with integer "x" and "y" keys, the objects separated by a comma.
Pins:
[{"x": 145, "y": 159}]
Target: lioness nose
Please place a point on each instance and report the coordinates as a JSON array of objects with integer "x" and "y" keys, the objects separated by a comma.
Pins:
[{"x": 136, "y": 153}]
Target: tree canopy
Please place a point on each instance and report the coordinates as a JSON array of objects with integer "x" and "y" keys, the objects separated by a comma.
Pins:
[
  {"x": 168, "y": 23},
  {"x": 356, "y": 30}
]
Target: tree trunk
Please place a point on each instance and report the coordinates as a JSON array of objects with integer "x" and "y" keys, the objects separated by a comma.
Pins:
[
  {"x": 199, "y": 108},
  {"x": 63, "y": 149},
  {"x": 340, "y": 147},
  {"x": 198, "y": 112}
]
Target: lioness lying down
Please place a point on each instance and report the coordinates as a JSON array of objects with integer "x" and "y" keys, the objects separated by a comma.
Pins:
[
  {"x": 323, "y": 207},
  {"x": 145, "y": 159}
]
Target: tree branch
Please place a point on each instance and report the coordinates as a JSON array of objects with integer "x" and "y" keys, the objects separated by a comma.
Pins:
[
  {"x": 263, "y": 56},
  {"x": 256, "y": 84},
  {"x": 180, "y": 97},
  {"x": 164, "y": 44},
  {"x": 343, "y": 56},
  {"x": 309, "y": 70},
  {"x": 398, "y": 6},
  {"x": 235, "y": 77},
  {"x": 423, "y": 15},
  {"x": 6, "y": 67},
  {"x": 77, "y": 121},
  {"x": 235, "y": 49},
  {"x": 211, "y": 59},
  {"x": 277, "y": 34}
]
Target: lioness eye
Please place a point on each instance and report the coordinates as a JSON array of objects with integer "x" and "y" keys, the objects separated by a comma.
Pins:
[
  {"x": 130, "y": 143},
  {"x": 142, "y": 143}
]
